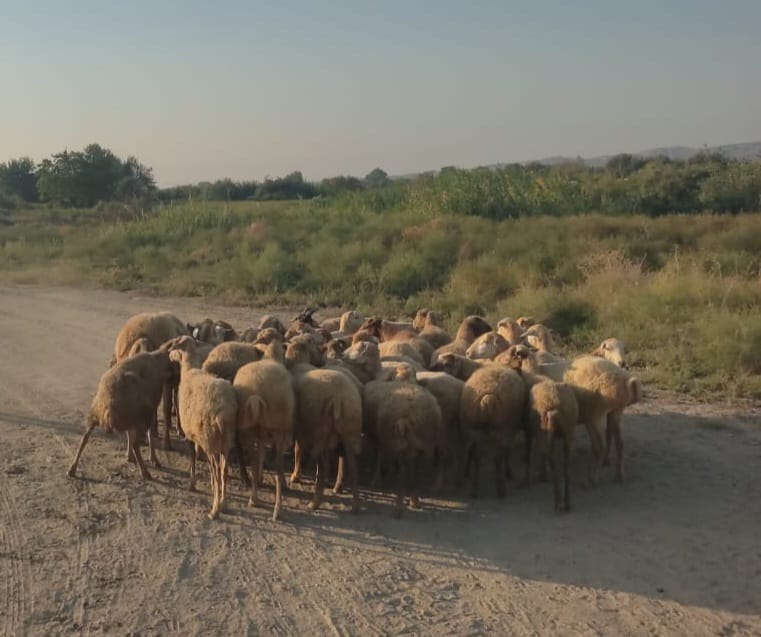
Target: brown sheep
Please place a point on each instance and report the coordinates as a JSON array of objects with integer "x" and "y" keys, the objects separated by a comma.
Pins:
[
  {"x": 127, "y": 398},
  {"x": 491, "y": 414},
  {"x": 266, "y": 402},
  {"x": 328, "y": 418},
  {"x": 458, "y": 366},
  {"x": 470, "y": 329}
]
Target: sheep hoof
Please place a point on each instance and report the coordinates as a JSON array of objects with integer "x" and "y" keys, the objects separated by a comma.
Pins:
[
  {"x": 146, "y": 476},
  {"x": 337, "y": 491},
  {"x": 252, "y": 502},
  {"x": 155, "y": 463},
  {"x": 71, "y": 472},
  {"x": 213, "y": 515},
  {"x": 415, "y": 504},
  {"x": 313, "y": 505}
]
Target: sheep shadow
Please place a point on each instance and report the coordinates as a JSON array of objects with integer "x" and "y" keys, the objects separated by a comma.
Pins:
[{"x": 682, "y": 527}]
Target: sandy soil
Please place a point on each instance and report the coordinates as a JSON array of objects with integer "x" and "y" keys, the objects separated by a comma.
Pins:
[{"x": 675, "y": 550}]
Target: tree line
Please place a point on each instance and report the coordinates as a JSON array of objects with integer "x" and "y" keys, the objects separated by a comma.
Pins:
[{"x": 626, "y": 184}]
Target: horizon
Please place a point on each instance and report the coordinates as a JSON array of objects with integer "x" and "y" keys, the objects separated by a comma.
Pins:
[{"x": 239, "y": 92}]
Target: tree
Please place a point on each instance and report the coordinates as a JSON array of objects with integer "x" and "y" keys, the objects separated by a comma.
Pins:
[
  {"x": 336, "y": 185},
  {"x": 624, "y": 164},
  {"x": 82, "y": 178},
  {"x": 17, "y": 177},
  {"x": 377, "y": 178}
]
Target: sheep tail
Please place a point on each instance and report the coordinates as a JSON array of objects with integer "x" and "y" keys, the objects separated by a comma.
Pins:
[
  {"x": 635, "y": 390},
  {"x": 489, "y": 407},
  {"x": 332, "y": 410},
  {"x": 549, "y": 420},
  {"x": 401, "y": 427},
  {"x": 255, "y": 409}
]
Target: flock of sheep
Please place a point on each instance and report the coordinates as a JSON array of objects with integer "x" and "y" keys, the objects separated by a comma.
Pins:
[{"x": 376, "y": 393}]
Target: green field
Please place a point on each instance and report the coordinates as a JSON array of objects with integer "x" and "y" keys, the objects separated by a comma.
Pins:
[{"x": 684, "y": 291}]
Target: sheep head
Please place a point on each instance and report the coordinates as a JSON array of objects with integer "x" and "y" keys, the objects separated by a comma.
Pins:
[
  {"x": 514, "y": 356},
  {"x": 350, "y": 321},
  {"x": 471, "y": 328},
  {"x": 539, "y": 337},
  {"x": 373, "y": 325},
  {"x": 268, "y": 320},
  {"x": 613, "y": 350},
  {"x": 510, "y": 330},
  {"x": 420, "y": 319},
  {"x": 524, "y": 322},
  {"x": 487, "y": 346}
]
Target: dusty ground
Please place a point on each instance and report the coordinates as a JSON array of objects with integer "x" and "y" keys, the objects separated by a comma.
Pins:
[{"x": 675, "y": 550}]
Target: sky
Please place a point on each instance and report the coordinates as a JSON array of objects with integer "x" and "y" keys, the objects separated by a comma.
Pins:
[{"x": 249, "y": 89}]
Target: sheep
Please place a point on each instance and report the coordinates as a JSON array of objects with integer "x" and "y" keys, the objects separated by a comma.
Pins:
[
  {"x": 446, "y": 389},
  {"x": 227, "y": 358},
  {"x": 458, "y": 366},
  {"x": 364, "y": 335},
  {"x": 214, "y": 332},
  {"x": 209, "y": 409},
  {"x": 420, "y": 318},
  {"x": 510, "y": 330},
  {"x": 487, "y": 346},
  {"x": 127, "y": 398},
  {"x": 268, "y": 320},
  {"x": 249, "y": 335},
  {"x": 266, "y": 402},
  {"x": 470, "y": 329},
  {"x": 552, "y": 415},
  {"x": 156, "y": 328},
  {"x": 329, "y": 417},
  {"x": 363, "y": 360},
  {"x": 348, "y": 323},
  {"x": 393, "y": 349},
  {"x": 491, "y": 414},
  {"x": 351, "y": 321},
  {"x": 524, "y": 322},
  {"x": 432, "y": 331},
  {"x": 387, "y": 331},
  {"x": 539, "y": 337},
  {"x": 613, "y": 350},
  {"x": 146, "y": 332},
  {"x": 408, "y": 424},
  {"x": 602, "y": 390}
]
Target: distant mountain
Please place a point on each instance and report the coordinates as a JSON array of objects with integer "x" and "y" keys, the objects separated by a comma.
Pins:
[{"x": 750, "y": 151}]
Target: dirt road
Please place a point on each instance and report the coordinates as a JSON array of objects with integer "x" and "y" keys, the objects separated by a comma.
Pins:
[{"x": 675, "y": 550}]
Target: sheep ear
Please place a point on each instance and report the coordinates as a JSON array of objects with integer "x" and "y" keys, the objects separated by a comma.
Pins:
[
  {"x": 597, "y": 352},
  {"x": 175, "y": 355}
]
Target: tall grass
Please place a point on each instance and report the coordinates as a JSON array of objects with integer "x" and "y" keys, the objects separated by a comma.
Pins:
[{"x": 683, "y": 291}]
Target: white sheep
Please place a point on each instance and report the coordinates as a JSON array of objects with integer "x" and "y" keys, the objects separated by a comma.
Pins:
[{"x": 209, "y": 410}]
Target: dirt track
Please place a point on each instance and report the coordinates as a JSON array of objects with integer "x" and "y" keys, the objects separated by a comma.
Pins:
[{"x": 675, "y": 550}]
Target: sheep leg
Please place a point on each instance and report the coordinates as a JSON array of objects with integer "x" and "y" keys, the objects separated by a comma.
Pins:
[
  {"x": 476, "y": 461},
  {"x": 613, "y": 430},
  {"x": 596, "y": 439},
  {"x": 500, "y": 472},
  {"x": 351, "y": 461},
  {"x": 129, "y": 456},
  {"x": 151, "y": 448},
  {"x": 322, "y": 469},
  {"x": 166, "y": 400},
  {"x": 132, "y": 438},
  {"x": 214, "y": 477},
  {"x": 401, "y": 489},
  {"x": 254, "y": 484},
  {"x": 567, "y": 473},
  {"x": 555, "y": 471},
  {"x": 222, "y": 477},
  {"x": 339, "y": 475},
  {"x": 413, "y": 483},
  {"x": 175, "y": 397},
  {"x": 73, "y": 468},
  {"x": 375, "y": 482},
  {"x": 244, "y": 477},
  {"x": 279, "y": 480},
  {"x": 193, "y": 458},
  {"x": 296, "y": 474}
]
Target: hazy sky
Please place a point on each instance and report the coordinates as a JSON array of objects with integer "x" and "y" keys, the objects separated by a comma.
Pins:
[{"x": 245, "y": 89}]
